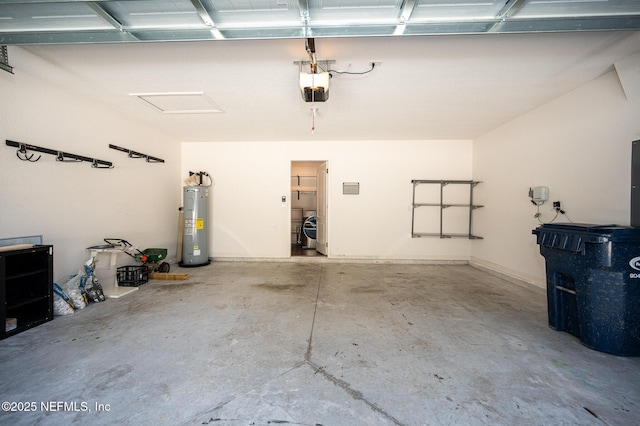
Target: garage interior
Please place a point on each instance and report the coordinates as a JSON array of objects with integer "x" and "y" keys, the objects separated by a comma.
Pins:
[
  {"x": 418, "y": 310},
  {"x": 243, "y": 343}
]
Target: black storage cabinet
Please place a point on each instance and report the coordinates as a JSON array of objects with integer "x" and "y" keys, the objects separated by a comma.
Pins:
[
  {"x": 593, "y": 284},
  {"x": 26, "y": 288}
]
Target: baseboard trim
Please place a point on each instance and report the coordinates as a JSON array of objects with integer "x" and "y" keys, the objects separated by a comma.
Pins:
[
  {"x": 324, "y": 259},
  {"x": 506, "y": 274}
]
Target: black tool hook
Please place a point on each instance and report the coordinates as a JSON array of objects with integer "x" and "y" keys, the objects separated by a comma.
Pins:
[
  {"x": 21, "y": 153},
  {"x": 101, "y": 165},
  {"x": 61, "y": 157}
]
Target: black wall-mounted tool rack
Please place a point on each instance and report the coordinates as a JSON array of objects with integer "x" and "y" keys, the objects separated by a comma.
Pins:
[
  {"x": 134, "y": 154},
  {"x": 4, "y": 60},
  {"x": 62, "y": 156}
]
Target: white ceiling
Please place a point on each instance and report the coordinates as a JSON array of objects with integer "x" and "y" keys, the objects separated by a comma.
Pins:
[{"x": 427, "y": 87}]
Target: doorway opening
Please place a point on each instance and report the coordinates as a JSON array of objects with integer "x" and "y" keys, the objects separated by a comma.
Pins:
[{"x": 308, "y": 208}]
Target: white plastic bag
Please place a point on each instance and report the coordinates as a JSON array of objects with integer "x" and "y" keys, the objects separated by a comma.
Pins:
[
  {"x": 62, "y": 305},
  {"x": 72, "y": 289}
]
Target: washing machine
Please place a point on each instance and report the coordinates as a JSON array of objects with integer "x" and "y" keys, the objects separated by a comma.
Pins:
[{"x": 309, "y": 232}]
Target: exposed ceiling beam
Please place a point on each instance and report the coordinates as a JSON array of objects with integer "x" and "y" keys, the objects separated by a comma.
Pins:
[
  {"x": 466, "y": 27},
  {"x": 303, "y": 5},
  {"x": 111, "y": 20},
  {"x": 400, "y": 22},
  {"x": 406, "y": 10},
  {"x": 62, "y": 37},
  {"x": 203, "y": 13},
  {"x": 510, "y": 8},
  {"x": 105, "y": 16}
]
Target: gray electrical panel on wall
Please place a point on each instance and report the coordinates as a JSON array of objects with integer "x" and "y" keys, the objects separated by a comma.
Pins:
[{"x": 635, "y": 184}]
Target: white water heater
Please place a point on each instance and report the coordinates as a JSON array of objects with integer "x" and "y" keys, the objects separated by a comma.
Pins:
[{"x": 195, "y": 240}]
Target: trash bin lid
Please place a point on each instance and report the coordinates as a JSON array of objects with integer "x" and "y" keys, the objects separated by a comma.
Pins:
[
  {"x": 572, "y": 236},
  {"x": 590, "y": 228}
]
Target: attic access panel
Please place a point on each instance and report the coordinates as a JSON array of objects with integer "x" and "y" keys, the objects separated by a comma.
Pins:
[{"x": 180, "y": 102}]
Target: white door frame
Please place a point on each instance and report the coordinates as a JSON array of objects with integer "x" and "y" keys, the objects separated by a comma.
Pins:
[
  {"x": 322, "y": 210},
  {"x": 318, "y": 163}
]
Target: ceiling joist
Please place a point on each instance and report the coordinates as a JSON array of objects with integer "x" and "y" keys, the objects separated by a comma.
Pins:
[
  {"x": 406, "y": 9},
  {"x": 202, "y": 12},
  {"x": 79, "y": 21},
  {"x": 510, "y": 8}
]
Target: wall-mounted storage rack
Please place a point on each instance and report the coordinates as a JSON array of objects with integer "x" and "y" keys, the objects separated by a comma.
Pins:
[
  {"x": 442, "y": 205},
  {"x": 306, "y": 185},
  {"x": 300, "y": 192},
  {"x": 62, "y": 156},
  {"x": 134, "y": 154}
]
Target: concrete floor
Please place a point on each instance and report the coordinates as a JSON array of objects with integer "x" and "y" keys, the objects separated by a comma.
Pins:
[{"x": 316, "y": 343}]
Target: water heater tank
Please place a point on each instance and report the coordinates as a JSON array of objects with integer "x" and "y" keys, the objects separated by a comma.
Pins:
[{"x": 195, "y": 249}]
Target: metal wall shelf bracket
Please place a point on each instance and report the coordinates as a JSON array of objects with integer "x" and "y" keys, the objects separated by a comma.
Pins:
[{"x": 442, "y": 183}]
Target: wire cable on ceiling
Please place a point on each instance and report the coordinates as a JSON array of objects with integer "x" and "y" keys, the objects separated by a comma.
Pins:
[
  {"x": 310, "y": 48},
  {"x": 373, "y": 65}
]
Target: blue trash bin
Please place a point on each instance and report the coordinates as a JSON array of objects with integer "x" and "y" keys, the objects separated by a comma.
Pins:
[{"x": 593, "y": 284}]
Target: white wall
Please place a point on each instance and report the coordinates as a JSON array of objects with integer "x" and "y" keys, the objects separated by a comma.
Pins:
[
  {"x": 578, "y": 145},
  {"x": 73, "y": 205},
  {"x": 249, "y": 219}
]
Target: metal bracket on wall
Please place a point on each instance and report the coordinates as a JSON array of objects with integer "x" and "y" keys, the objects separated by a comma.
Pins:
[
  {"x": 323, "y": 63},
  {"x": 4, "y": 60},
  {"x": 134, "y": 154},
  {"x": 23, "y": 148}
]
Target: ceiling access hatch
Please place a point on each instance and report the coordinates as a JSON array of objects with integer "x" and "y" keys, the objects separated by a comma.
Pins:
[{"x": 180, "y": 102}]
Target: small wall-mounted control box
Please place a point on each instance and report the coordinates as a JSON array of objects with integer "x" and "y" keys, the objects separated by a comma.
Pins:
[{"x": 539, "y": 194}]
